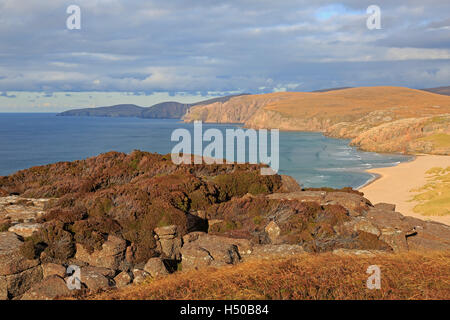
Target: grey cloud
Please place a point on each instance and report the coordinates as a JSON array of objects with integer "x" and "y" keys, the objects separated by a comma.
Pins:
[{"x": 224, "y": 46}]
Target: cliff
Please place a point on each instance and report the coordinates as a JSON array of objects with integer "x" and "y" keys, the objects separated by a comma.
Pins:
[{"x": 347, "y": 113}]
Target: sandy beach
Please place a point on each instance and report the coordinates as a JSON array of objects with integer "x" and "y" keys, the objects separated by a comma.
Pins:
[{"x": 394, "y": 184}]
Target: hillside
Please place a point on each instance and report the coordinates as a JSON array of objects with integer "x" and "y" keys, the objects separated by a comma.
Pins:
[
  {"x": 345, "y": 113},
  {"x": 163, "y": 110},
  {"x": 120, "y": 110},
  {"x": 124, "y": 218},
  {"x": 439, "y": 90}
]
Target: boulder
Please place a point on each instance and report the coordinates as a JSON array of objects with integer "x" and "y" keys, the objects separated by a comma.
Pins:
[
  {"x": 123, "y": 279},
  {"x": 94, "y": 278},
  {"x": 139, "y": 276},
  {"x": 110, "y": 256},
  {"x": 48, "y": 289},
  {"x": 155, "y": 267},
  {"x": 209, "y": 250},
  {"x": 50, "y": 269}
]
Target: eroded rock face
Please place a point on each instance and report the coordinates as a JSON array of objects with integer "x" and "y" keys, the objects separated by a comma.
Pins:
[{"x": 110, "y": 256}]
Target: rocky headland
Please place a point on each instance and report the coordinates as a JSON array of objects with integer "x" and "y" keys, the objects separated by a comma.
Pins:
[
  {"x": 125, "y": 218},
  {"x": 380, "y": 119}
]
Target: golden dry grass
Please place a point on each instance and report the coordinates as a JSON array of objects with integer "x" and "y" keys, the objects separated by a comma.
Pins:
[
  {"x": 357, "y": 101},
  {"x": 409, "y": 275}
]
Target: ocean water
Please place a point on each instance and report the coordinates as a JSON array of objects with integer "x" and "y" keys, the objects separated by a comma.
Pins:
[{"x": 314, "y": 160}]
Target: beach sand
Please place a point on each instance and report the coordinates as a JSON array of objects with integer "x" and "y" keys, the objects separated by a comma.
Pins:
[{"x": 394, "y": 184}]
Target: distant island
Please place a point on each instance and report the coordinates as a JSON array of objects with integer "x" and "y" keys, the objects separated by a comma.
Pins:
[{"x": 164, "y": 110}]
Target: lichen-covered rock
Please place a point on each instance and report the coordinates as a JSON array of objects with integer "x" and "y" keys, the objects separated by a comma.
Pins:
[{"x": 209, "y": 251}]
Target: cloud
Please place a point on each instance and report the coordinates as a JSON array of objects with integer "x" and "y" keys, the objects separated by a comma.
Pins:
[{"x": 196, "y": 46}]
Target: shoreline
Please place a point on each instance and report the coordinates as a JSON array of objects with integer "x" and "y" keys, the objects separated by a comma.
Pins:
[
  {"x": 376, "y": 176},
  {"x": 394, "y": 184}
]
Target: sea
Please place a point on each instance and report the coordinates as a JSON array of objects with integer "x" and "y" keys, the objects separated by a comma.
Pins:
[{"x": 33, "y": 139}]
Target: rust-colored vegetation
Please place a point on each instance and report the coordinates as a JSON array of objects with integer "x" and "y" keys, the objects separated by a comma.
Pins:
[{"x": 412, "y": 275}]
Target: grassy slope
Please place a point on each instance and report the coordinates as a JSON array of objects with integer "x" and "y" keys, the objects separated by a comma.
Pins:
[
  {"x": 410, "y": 275},
  {"x": 434, "y": 197},
  {"x": 353, "y": 101}
]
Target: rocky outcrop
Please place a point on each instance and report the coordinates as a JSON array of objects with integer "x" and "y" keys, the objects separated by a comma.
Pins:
[{"x": 139, "y": 217}]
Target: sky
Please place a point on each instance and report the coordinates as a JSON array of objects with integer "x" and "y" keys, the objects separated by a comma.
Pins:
[{"x": 145, "y": 52}]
